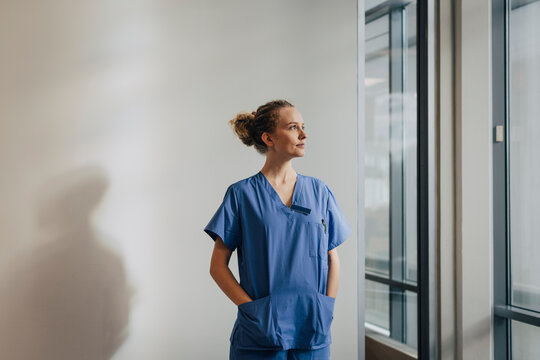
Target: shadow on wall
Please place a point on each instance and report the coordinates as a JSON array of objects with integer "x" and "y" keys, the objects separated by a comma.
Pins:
[{"x": 67, "y": 296}]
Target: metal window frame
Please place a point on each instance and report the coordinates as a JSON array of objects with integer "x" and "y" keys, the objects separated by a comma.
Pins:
[
  {"x": 504, "y": 311},
  {"x": 501, "y": 329},
  {"x": 425, "y": 289},
  {"x": 427, "y": 295},
  {"x": 360, "y": 13}
]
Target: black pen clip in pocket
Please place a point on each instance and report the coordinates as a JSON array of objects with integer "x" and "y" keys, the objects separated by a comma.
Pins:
[{"x": 324, "y": 224}]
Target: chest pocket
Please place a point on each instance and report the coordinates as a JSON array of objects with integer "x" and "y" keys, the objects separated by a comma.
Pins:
[{"x": 318, "y": 243}]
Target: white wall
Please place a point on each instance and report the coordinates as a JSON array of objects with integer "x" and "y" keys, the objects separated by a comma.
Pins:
[
  {"x": 474, "y": 220},
  {"x": 446, "y": 184},
  {"x": 115, "y": 152}
]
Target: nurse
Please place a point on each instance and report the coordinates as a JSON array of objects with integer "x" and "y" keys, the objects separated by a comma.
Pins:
[{"x": 285, "y": 227}]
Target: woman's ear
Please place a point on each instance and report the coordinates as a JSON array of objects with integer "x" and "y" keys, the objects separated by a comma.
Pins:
[{"x": 267, "y": 139}]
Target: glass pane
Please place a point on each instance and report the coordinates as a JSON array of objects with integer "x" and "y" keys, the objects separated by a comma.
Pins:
[
  {"x": 525, "y": 344},
  {"x": 391, "y": 145},
  {"x": 377, "y": 156},
  {"x": 411, "y": 319},
  {"x": 404, "y": 306},
  {"x": 409, "y": 144},
  {"x": 524, "y": 163},
  {"x": 377, "y": 307}
]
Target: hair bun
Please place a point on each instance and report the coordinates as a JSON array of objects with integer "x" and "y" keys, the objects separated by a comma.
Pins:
[{"x": 242, "y": 124}]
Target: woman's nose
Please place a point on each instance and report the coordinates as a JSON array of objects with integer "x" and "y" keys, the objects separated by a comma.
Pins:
[{"x": 303, "y": 134}]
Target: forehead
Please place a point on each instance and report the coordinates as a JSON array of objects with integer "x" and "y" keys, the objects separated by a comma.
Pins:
[{"x": 288, "y": 115}]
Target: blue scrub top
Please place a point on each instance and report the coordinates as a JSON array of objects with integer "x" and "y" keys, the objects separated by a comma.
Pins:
[{"x": 282, "y": 261}]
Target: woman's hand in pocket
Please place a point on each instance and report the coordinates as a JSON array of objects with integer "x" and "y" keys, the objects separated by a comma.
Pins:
[
  {"x": 223, "y": 276},
  {"x": 244, "y": 302}
]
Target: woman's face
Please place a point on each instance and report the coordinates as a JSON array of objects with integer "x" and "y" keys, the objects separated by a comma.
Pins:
[{"x": 289, "y": 137}]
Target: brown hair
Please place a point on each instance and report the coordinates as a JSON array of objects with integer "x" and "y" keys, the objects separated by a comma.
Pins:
[{"x": 250, "y": 126}]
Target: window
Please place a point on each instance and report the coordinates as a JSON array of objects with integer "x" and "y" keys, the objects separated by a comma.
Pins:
[
  {"x": 392, "y": 175},
  {"x": 516, "y": 175}
]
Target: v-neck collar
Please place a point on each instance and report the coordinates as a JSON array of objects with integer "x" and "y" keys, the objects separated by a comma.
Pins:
[{"x": 274, "y": 193}]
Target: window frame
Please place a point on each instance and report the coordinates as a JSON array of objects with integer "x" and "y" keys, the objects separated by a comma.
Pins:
[
  {"x": 425, "y": 284},
  {"x": 504, "y": 311}
]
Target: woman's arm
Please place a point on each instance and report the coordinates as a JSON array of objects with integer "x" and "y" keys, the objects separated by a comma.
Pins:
[
  {"x": 333, "y": 273},
  {"x": 220, "y": 272}
]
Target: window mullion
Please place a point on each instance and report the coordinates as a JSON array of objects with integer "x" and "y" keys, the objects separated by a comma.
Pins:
[
  {"x": 501, "y": 324},
  {"x": 397, "y": 303}
]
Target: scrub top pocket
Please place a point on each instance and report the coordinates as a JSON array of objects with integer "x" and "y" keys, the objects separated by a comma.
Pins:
[
  {"x": 256, "y": 326},
  {"x": 303, "y": 319},
  {"x": 317, "y": 239},
  {"x": 327, "y": 313}
]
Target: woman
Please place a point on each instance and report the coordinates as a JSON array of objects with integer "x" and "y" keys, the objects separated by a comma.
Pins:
[{"x": 286, "y": 227}]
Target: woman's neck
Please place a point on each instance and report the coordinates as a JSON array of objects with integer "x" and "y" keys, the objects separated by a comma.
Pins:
[{"x": 279, "y": 173}]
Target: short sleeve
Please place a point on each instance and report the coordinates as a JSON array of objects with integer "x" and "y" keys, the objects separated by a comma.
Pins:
[
  {"x": 338, "y": 227},
  {"x": 225, "y": 223}
]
